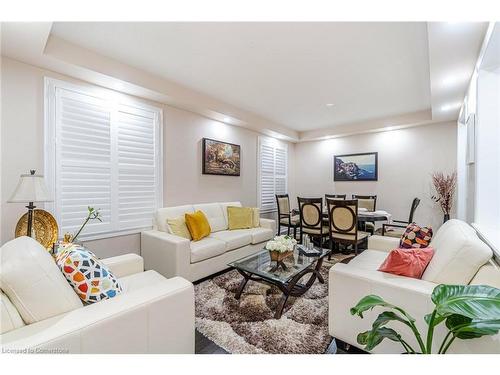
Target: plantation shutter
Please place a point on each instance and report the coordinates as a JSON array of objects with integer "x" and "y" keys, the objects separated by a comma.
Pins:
[
  {"x": 273, "y": 172},
  {"x": 106, "y": 156}
]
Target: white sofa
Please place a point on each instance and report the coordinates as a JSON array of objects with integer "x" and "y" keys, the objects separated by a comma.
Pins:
[
  {"x": 41, "y": 313},
  {"x": 172, "y": 255},
  {"x": 460, "y": 258}
]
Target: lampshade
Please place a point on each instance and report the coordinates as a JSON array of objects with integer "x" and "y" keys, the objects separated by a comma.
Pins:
[{"x": 31, "y": 188}]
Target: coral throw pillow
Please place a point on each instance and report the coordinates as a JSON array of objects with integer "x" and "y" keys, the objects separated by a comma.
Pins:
[
  {"x": 416, "y": 236},
  {"x": 198, "y": 225},
  {"x": 407, "y": 262},
  {"x": 91, "y": 279}
]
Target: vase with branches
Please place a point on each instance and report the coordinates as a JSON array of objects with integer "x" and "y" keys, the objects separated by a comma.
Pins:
[
  {"x": 444, "y": 186},
  {"x": 92, "y": 214}
]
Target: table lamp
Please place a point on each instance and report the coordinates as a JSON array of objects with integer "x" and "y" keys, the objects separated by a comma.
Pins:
[{"x": 31, "y": 188}]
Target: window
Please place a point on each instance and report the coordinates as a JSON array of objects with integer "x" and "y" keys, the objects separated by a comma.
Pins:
[
  {"x": 273, "y": 172},
  {"x": 102, "y": 150}
]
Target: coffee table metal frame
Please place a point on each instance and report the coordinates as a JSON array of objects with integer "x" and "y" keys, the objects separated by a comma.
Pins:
[{"x": 291, "y": 287}]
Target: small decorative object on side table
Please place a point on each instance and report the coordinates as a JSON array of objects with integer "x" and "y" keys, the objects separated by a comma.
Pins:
[{"x": 280, "y": 248}]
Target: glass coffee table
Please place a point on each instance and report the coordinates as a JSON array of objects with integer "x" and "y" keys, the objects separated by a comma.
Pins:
[{"x": 287, "y": 276}]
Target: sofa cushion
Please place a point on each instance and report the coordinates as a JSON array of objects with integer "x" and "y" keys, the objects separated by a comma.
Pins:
[
  {"x": 234, "y": 239},
  {"x": 141, "y": 280},
  {"x": 10, "y": 318},
  {"x": 214, "y": 214},
  {"x": 224, "y": 206},
  {"x": 206, "y": 248},
  {"x": 198, "y": 225},
  {"x": 178, "y": 227},
  {"x": 458, "y": 254},
  {"x": 260, "y": 235},
  {"x": 239, "y": 217},
  {"x": 170, "y": 213},
  {"x": 90, "y": 278},
  {"x": 32, "y": 281},
  {"x": 407, "y": 262},
  {"x": 368, "y": 260}
]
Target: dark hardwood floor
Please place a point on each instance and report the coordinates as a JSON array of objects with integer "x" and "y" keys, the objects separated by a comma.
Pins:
[{"x": 206, "y": 346}]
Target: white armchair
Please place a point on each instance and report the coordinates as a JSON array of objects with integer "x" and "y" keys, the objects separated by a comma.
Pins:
[
  {"x": 460, "y": 258},
  {"x": 152, "y": 315}
]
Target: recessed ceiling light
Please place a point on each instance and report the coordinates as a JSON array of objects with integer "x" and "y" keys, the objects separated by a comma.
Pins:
[
  {"x": 330, "y": 105},
  {"x": 226, "y": 119},
  {"x": 450, "y": 106}
]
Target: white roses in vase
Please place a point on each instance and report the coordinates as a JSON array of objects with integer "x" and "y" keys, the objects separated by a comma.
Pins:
[{"x": 281, "y": 244}]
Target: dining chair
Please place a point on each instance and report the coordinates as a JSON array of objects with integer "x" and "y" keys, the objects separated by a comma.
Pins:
[
  {"x": 311, "y": 218},
  {"x": 343, "y": 223},
  {"x": 285, "y": 215},
  {"x": 370, "y": 203},
  {"x": 386, "y": 228}
]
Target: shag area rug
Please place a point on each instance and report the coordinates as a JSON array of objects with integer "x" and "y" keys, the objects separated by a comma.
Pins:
[{"x": 247, "y": 326}]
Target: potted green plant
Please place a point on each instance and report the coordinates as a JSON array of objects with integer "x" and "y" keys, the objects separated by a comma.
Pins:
[{"x": 468, "y": 311}]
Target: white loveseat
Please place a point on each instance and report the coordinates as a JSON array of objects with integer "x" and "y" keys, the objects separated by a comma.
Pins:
[
  {"x": 460, "y": 258},
  {"x": 172, "y": 255},
  {"x": 41, "y": 313}
]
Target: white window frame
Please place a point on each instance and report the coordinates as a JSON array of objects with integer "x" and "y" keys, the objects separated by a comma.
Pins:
[
  {"x": 50, "y": 144},
  {"x": 275, "y": 144}
]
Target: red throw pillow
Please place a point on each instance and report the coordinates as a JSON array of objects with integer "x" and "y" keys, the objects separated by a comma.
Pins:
[
  {"x": 416, "y": 236},
  {"x": 407, "y": 262}
]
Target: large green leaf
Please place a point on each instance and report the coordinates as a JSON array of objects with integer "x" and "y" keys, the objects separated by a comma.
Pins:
[
  {"x": 368, "y": 303},
  {"x": 388, "y": 316},
  {"x": 478, "y": 302},
  {"x": 466, "y": 328},
  {"x": 370, "y": 339},
  {"x": 437, "y": 319}
]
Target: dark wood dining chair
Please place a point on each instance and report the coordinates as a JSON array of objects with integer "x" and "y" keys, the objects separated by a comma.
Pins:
[
  {"x": 285, "y": 215},
  {"x": 387, "y": 229},
  {"x": 370, "y": 203},
  {"x": 343, "y": 224},
  {"x": 311, "y": 219}
]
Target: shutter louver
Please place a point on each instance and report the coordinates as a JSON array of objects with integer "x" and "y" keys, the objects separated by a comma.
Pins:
[
  {"x": 136, "y": 168},
  {"x": 273, "y": 173},
  {"x": 83, "y": 171},
  {"x": 107, "y": 156}
]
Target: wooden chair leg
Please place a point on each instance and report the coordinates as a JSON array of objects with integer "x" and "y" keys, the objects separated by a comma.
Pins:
[
  {"x": 356, "y": 248},
  {"x": 295, "y": 232},
  {"x": 288, "y": 230},
  {"x": 279, "y": 228}
]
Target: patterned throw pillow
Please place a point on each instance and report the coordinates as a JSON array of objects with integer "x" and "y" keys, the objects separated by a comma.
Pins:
[
  {"x": 416, "y": 236},
  {"x": 91, "y": 279}
]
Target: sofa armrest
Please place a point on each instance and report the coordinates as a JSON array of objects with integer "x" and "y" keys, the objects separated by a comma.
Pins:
[
  {"x": 269, "y": 224},
  {"x": 382, "y": 243},
  {"x": 166, "y": 253},
  {"x": 348, "y": 284},
  {"x": 156, "y": 319},
  {"x": 125, "y": 265}
]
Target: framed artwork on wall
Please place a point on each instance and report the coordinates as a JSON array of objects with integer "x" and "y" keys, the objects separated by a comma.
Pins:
[
  {"x": 220, "y": 158},
  {"x": 356, "y": 167}
]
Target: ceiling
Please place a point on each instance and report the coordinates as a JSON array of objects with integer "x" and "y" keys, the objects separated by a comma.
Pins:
[
  {"x": 286, "y": 72},
  {"x": 274, "y": 78}
]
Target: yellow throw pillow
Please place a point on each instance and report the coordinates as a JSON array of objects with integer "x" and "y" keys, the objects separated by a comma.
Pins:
[
  {"x": 239, "y": 217},
  {"x": 179, "y": 228},
  {"x": 197, "y": 225},
  {"x": 256, "y": 217}
]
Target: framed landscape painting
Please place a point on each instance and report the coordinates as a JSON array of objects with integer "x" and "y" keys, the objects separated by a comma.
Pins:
[
  {"x": 221, "y": 158},
  {"x": 356, "y": 167}
]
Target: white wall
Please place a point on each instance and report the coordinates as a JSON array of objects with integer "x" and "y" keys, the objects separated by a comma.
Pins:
[
  {"x": 406, "y": 158},
  {"x": 22, "y": 149}
]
